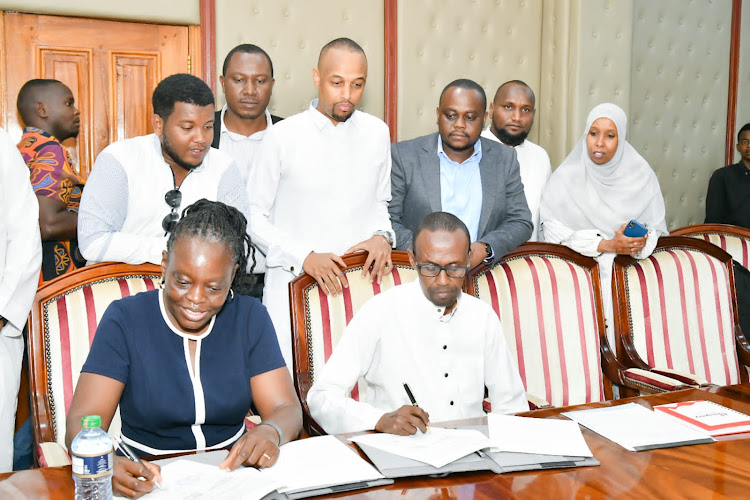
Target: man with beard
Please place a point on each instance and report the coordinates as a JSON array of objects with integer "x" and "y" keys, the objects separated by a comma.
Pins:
[
  {"x": 446, "y": 345},
  {"x": 319, "y": 187},
  {"x": 456, "y": 171},
  {"x": 50, "y": 116},
  {"x": 138, "y": 187},
  {"x": 512, "y": 114}
]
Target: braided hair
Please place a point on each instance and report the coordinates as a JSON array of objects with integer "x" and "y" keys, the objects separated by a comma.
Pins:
[{"x": 215, "y": 221}]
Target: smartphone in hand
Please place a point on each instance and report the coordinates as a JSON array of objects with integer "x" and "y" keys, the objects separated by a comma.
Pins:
[{"x": 635, "y": 229}]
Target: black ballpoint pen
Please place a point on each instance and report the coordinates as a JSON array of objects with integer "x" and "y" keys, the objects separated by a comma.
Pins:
[{"x": 411, "y": 398}]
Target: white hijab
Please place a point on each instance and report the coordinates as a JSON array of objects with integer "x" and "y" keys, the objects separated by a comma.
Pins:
[{"x": 583, "y": 195}]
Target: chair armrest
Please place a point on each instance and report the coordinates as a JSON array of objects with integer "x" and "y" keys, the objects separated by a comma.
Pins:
[
  {"x": 685, "y": 378},
  {"x": 536, "y": 403},
  {"x": 651, "y": 382},
  {"x": 52, "y": 454}
]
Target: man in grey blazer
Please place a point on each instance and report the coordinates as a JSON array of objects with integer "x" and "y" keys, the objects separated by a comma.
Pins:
[{"x": 456, "y": 171}]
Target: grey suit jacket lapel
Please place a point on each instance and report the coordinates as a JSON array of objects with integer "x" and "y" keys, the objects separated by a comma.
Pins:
[
  {"x": 430, "y": 166},
  {"x": 488, "y": 170}
]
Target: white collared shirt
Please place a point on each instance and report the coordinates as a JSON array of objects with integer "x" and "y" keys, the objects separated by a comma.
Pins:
[
  {"x": 315, "y": 186},
  {"x": 123, "y": 204},
  {"x": 242, "y": 148},
  {"x": 535, "y": 171},
  {"x": 400, "y": 336}
]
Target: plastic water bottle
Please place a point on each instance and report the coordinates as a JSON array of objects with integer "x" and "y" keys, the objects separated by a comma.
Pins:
[{"x": 92, "y": 456}]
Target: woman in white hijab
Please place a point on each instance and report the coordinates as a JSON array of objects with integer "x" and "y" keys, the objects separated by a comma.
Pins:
[{"x": 602, "y": 185}]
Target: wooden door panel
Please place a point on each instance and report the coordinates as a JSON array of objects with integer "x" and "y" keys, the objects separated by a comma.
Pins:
[
  {"x": 73, "y": 68},
  {"x": 136, "y": 78},
  {"x": 111, "y": 67}
]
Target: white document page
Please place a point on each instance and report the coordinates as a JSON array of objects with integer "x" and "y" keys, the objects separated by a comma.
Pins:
[
  {"x": 187, "y": 479},
  {"x": 636, "y": 428},
  {"x": 437, "y": 448},
  {"x": 318, "y": 461},
  {"x": 541, "y": 436}
]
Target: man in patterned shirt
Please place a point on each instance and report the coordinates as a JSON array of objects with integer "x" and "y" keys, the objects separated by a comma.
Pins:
[{"x": 48, "y": 110}]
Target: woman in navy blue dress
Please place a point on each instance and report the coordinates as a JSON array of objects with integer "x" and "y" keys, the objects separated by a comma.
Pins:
[{"x": 185, "y": 363}]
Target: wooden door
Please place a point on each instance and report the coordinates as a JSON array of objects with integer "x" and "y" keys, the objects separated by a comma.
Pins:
[{"x": 111, "y": 67}]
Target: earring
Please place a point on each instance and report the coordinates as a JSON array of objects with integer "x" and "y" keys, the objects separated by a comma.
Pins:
[
  {"x": 161, "y": 282},
  {"x": 231, "y": 294}
]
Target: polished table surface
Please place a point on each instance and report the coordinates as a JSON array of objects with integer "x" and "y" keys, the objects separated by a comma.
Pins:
[{"x": 716, "y": 470}]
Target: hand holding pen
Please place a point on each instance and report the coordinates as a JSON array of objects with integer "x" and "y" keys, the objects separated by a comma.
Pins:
[
  {"x": 134, "y": 477},
  {"x": 406, "y": 420}
]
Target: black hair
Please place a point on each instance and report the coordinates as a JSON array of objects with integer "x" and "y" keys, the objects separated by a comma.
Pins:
[
  {"x": 28, "y": 96},
  {"x": 465, "y": 83},
  {"x": 246, "y": 48},
  {"x": 744, "y": 128},
  {"x": 341, "y": 43},
  {"x": 440, "y": 221},
  {"x": 517, "y": 82},
  {"x": 180, "y": 87},
  {"x": 215, "y": 221}
]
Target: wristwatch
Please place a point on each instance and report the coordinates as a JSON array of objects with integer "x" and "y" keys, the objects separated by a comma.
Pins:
[
  {"x": 386, "y": 235},
  {"x": 490, "y": 253}
]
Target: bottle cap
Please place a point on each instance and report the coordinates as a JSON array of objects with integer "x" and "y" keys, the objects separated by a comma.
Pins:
[{"x": 91, "y": 421}]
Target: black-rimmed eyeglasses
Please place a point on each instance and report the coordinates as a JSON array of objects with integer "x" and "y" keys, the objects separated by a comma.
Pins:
[
  {"x": 173, "y": 197},
  {"x": 432, "y": 270}
]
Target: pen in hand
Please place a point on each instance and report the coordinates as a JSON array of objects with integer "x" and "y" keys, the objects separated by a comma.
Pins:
[
  {"x": 128, "y": 452},
  {"x": 411, "y": 398}
]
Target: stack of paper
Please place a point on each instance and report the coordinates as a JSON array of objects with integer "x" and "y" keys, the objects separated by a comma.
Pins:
[
  {"x": 708, "y": 417},
  {"x": 437, "y": 448},
  {"x": 542, "y": 436},
  {"x": 636, "y": 428}
]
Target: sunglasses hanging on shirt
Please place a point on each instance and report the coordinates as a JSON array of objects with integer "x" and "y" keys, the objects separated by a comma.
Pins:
[{"x": 173, "y": 197}]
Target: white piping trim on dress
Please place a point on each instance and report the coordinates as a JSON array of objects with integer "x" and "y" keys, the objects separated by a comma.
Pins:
[{"x": 156, "y": 451}]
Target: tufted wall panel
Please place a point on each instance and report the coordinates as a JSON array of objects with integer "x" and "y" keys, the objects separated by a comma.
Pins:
[
  {"x": 489, "y": 41},
  {"x": 679, "y": 97},
  {"x": 585, "y": 61},
  {"x": 743, "y": 85},
  {"x": 293, "y": 32}
]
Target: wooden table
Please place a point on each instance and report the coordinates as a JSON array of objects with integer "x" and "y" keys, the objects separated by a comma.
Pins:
[{"x": 715, "y": 470}]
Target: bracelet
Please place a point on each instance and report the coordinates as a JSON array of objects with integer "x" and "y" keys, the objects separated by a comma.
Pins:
[{"x": 275, "y": 426}]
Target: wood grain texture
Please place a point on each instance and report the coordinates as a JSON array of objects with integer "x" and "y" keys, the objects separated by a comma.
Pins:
[{"x": 716, "y": 470}]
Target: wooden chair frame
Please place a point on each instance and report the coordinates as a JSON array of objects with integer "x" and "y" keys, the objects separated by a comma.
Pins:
[
  {"x": 301, "y": 342},
  {"x": 720, "y": 229},
  {"x": 611, "y": 367},
  {"x": 41, "y": 410},
  {"x": 623, "y": 332}
]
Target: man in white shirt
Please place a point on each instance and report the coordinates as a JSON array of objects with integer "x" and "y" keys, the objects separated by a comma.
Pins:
[
  {"x": 20, "y": 262},
  {"x": 446, "y": 345},
  {"x": 239, "y": 127},
  {"x": 139, "y": 187},
  {"x": 512, "y": 113},
  {"x": 319, "y": 187}
]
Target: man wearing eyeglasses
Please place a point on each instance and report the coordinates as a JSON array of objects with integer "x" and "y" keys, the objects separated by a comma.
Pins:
[
  {"x": 139, "y": 187},
  {"x": 446, "y": 345}
]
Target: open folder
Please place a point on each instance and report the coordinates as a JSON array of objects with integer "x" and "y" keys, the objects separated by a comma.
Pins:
[
  {"x": 394, "y": 465},
  {"x": 307, "y": 467}
]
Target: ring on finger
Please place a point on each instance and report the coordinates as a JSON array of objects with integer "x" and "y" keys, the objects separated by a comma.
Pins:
[{"x": 267, "y": 456}]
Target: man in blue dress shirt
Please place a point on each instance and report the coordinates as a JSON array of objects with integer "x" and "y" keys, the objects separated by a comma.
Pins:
[{"x": 456, "y": 171}]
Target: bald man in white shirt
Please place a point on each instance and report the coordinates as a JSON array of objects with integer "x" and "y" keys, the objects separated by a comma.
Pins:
[
  {"x": 319, "y": 188},
  {"x": 20, "y": 263},
  {"x": 512, "y": 112}
]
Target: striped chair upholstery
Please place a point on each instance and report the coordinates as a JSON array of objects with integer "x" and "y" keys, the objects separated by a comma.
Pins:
[
  {"x": 64, "y": 319},
  {"x": 734, "y": 240},
  {"x": 676, "y": 311},
  {"x": 318, "y": 320},
  {"x": 548, "y": 300}
]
